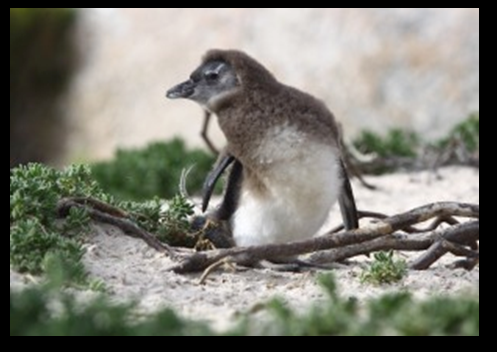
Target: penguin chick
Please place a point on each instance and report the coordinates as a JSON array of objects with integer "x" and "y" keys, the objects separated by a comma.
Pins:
[{"x": 286, "y": 143}]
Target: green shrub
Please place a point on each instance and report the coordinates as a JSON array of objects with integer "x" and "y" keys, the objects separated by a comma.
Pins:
[
  {"x": 397, "y": 143},
  {"x": 32, "y": 313},
  {"x": 384, "y": 269},
  {"x": 390, "y": 314},
  {"x": 37, "y": 239},
  {"x": 154, "y": 171},
  {"x": 40, "y": 242},
  {"x": 168, "y": 220},
  {"x": 467, "y": 132},
  {"x": 408, "y": 144},
  {"x": 406, "y": 149}
]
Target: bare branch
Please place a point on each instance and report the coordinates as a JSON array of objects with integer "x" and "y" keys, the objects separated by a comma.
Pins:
[
  {"x": 462, "y": 234},
  {"x": 394, "y": 232},
  {"x": 100, "y": 214},
  {"x": 200, "y": 261},
  {"x": 205, "y": 136},
  {"x": 396, "y": 242}
]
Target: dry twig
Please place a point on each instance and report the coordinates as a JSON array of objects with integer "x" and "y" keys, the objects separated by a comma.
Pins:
[
  {"x": 385, "y": 228},
  {"x": 107, "y": 214},
  {"x": 394, "y": 232},
  {"x": 205, "y": 136}
]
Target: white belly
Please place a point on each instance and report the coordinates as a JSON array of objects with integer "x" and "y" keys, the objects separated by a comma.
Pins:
[{"x": 301, "y": 192}]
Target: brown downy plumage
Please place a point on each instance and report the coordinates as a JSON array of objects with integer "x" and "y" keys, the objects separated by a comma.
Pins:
[{"x": 285, "y": 144}]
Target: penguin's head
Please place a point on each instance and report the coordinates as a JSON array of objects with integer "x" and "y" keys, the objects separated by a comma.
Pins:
[{"x": 211, "y": 83}]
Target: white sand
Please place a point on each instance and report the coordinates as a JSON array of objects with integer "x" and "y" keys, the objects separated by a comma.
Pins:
[{"x": 132, "y": 270}]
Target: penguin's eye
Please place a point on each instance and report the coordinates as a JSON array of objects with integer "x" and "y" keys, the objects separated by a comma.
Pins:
[{"x": 211, "y": 76}]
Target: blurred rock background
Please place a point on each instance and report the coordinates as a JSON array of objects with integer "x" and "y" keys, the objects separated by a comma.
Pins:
[
  {"x": 43, "y": 60},
  {"x": 375, "y": 68}
]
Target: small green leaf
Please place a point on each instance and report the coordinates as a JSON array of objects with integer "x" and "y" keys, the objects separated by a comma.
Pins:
[{"x": 384, "y": 269}]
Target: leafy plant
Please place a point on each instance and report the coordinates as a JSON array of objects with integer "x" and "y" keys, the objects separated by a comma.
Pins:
[
  {"x": 169, "y": 220},
  {"x": 406, "y": 149},
  {"x": 384, "y": 269},
  {"x": 397, "y": 143},
  {"x": 467, "y": 132},
  {"x": 154, "y": 171},
  {"x": 32, "y": 313},
  {"x": 176, "y": 221},
  {"x": 42, "y": 243},
  {"x": 37, "y": 238},
  {"x": 390, "y": 314}
]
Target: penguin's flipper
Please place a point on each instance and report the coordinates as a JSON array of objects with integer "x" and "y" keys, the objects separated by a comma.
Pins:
[
  {"x": 223, "y": 162},
  {"x": 347, "y": 203}
]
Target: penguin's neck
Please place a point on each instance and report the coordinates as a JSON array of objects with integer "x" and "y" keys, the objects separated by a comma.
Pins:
[{"x": 246, "y": 132}]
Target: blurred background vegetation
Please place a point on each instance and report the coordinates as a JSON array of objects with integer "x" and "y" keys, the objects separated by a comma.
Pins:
[
  {"x": 154, "y": 171},
  {"x": 395, "y": 314},
  {"x": 43, "y": 57}
]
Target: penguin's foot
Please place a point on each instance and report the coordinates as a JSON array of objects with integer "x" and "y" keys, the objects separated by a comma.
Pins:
[{"x": 213, "y": 233}]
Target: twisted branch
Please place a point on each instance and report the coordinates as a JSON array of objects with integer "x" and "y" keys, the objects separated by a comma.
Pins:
[{"x": 396, "y": 232}]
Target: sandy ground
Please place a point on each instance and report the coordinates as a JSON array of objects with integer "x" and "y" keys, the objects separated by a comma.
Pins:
[{"x": 132, "y": 270}]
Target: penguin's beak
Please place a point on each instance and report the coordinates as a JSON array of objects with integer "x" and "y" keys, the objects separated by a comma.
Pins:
[{"x": 182, "y": 90}]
